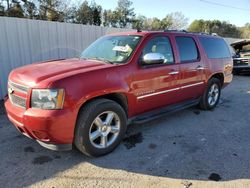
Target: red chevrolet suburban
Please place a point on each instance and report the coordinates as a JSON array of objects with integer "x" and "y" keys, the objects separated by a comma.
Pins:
[{"x": 121, "y": 78}]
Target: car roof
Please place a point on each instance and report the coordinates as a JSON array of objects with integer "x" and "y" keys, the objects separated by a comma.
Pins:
[{"x": 145, "y": 33}]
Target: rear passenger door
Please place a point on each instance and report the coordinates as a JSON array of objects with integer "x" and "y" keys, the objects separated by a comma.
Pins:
[{"x": 192, "y": 80}]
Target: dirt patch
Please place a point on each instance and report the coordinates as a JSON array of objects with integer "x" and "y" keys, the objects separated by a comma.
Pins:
[{"x": 131, "y": 140}]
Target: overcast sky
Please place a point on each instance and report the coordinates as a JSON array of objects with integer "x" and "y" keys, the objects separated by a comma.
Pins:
[{"x": 236, "y": 12}]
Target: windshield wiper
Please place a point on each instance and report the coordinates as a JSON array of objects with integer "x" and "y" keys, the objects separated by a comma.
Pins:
[
  {"x": 105, "y": 60},
  {"x": 99, "y": 59}
]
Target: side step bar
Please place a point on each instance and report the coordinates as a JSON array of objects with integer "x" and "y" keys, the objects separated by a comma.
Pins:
[{"x": 152, "y": 115}]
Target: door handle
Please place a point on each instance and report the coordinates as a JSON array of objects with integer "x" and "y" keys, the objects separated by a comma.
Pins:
[
  {"x": 200, "y": 68},
  {"x": 173, "y": 72}
]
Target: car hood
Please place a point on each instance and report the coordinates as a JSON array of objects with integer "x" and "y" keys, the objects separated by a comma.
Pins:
[
  {"x": 32, "y": 74},
  {"x": 240, "y": 43}
]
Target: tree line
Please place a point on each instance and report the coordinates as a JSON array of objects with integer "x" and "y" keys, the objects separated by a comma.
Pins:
[
  {"x": 123, "y": 16},
  {"x": 222, "y": 28}
]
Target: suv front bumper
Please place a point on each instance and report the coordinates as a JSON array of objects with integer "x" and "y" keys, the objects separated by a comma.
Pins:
[
  {"x": 53, "y": 129},
  {"x": 241, "y": 64},
  {"x": 241, "y": 68}
]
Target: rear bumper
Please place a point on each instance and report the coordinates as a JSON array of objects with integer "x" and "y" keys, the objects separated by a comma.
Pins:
[{"x": 53, "y": 129}]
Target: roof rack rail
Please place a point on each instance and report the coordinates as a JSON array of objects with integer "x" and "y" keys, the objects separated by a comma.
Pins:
[
  {"x": 185, "y": 31},
  {"x": 175, "y": 30}
]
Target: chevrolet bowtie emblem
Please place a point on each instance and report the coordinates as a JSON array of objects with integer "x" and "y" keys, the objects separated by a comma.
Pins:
[{"x": 10, "y": 90}]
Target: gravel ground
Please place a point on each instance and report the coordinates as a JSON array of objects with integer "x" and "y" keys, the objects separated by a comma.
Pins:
[{"x": 190, "y": 148}]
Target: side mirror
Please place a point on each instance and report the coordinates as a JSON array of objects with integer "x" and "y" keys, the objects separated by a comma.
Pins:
[{"x": 153, "y": 58}]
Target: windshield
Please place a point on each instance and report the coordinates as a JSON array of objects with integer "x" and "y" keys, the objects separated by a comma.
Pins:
[{"x": 112, "y": 49}]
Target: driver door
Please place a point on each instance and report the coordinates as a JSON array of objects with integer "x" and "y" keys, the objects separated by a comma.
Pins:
[{"x": 156, "y": 85}]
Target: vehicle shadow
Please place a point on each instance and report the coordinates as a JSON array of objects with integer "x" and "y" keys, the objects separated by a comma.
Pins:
[{"x": 190, "y": 144}]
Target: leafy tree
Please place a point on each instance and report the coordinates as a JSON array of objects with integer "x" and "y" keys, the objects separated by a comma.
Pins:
[
  {"x": 223, "y": 29},
  {"x": 83, "y": 14},
  {"x": 70, "y": 14},
  {"x": 51, "y": 10},
  {"x": 155, "y": 24},
  {"x": 89, "y": 14},
  {"x": 138, "y": 22},
  {"x": 30, "y": 9},
  {"x": 245, "y": 31},
  {"x": 247, "y": 25},
  {"x": 105, "y": 19},
  {"x": 11, "y": 8},
  {"x": 2, "y": 12},
  {"x": 152, "y": 24},
  {"x": 96, "y": 11},
  {"x": 123, "y": 16},
  {"x": 124, "y": 13},
  {"x": 110, "y": 18},
  {"x": 228, "y": 30},
  {"x": 175, "y": 20},
  {"x": 15, "y": 11},
  {"x": 166, "y": 23},
  {"x": 8, "y": 2},
  {"x": 197, "y": 26}
]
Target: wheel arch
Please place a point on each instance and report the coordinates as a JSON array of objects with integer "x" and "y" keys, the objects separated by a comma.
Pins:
[
  {"x": 219, "y": 76},
  {"x": 119, "y": 98}
]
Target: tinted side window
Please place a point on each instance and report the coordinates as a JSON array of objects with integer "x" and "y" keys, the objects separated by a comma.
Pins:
[
  {"x": 160, "y": 45},
  {"x": 187, "y": 49},
  {"x": 215, "y": 47}
]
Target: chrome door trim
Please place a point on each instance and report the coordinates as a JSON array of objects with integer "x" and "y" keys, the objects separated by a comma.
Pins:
[{"x": 169, "y": 90}]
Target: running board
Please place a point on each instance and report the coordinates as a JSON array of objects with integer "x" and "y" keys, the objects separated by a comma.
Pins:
[{"x": 155, "y": 114}]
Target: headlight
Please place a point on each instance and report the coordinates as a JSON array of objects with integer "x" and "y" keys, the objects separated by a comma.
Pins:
[{"x": 48, "y": 99}]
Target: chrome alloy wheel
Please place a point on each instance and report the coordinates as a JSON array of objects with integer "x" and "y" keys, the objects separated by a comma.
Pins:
[
  {"x": 213, "y": 94},
  {"x": 104, "y": 130}
]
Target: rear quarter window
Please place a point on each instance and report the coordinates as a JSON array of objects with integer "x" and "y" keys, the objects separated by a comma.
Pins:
[
  {"x": 187, "y": 49},
  {"x": 215, "y": 48}
]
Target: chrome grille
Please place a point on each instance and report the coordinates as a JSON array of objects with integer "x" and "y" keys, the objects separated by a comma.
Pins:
[
  {"x": 14, "y": 98},
  {"x": 18, "y": 87},
  {"x": 18, "y": 101}
]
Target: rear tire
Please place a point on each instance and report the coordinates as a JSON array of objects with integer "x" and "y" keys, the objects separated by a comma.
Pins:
[
  {"x": 211, "y": 96},
  {"x": 100, "y": 127}
]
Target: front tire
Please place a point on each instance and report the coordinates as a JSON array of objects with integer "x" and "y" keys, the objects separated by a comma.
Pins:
[
  {"x": 211, "y": 96},
  {"x": 100, "y": 127}
]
